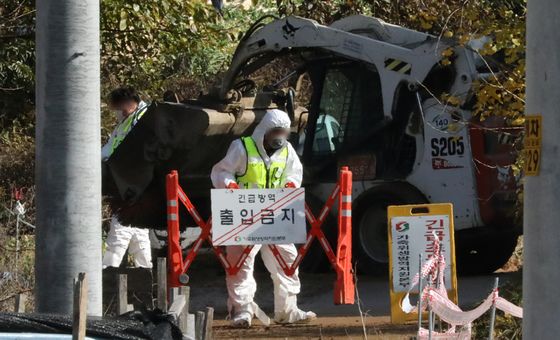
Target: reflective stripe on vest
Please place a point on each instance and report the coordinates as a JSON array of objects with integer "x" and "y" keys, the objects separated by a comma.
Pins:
[
  {"x": 126, "y": 125},
  {"x": 257, "y": 175}
]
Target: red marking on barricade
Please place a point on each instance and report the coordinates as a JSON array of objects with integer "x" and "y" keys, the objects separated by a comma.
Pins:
[{"x": 341, "y": 262}]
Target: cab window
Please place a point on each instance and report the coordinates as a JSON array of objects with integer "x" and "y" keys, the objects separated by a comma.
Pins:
[{"x": 350, "y": 105}]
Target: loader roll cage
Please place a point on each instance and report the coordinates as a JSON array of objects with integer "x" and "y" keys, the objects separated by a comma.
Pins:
[
  {"x": 341, "y": 261},
  {"x": 397, "y": 59}
]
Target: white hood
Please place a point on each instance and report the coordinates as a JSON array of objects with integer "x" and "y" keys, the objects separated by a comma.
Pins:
[
  {"x": 234, "y": 163},
  {"x": 273, "y": 118}
]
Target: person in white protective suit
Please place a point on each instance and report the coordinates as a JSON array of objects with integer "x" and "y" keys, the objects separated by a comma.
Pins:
[
  {"x": 264, "y": 160},
  {"x": 129, "y": 109}
]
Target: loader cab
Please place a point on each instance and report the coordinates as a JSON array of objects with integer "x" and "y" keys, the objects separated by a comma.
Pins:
[{"x": 346, "y": 124}]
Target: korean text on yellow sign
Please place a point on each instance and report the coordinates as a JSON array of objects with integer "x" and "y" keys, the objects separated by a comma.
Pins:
[{"x": 411, "y": 232}]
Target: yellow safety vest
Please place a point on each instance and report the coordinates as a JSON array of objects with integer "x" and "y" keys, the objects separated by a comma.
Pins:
[
  {"x": 126, "y": 125},
  {"x": 257, "y": 175}
]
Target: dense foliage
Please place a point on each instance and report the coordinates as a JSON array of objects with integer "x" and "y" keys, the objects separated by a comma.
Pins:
[{"x": 153, "y": 43}]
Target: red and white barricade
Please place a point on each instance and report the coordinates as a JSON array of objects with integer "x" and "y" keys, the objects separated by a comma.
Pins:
[
  {"x": 341, "y": 262},
  {"x": 434, "y": 297}
]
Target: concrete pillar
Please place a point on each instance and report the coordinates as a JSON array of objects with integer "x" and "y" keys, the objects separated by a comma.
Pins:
[
  {"x": 68, "y": 159},
  {"x": 541, "y": 272}
]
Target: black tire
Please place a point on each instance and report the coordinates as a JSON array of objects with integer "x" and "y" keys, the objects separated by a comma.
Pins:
[
  {"x": 370, "y": 230},
  {"x": 369, "y": 242},
  {"x": 483, "y": 250}
]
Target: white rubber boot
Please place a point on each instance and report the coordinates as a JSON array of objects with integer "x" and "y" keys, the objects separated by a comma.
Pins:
[
  {"x": 242, "y": 320},
  {"x": 290, "y": 313},
  {"x": 297, "y": 316}
]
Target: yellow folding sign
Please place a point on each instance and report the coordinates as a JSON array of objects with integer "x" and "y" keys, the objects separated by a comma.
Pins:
[{"x": 411, "y": 232}]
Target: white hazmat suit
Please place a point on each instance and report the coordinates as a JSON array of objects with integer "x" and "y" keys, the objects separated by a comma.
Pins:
[
  {"x": 121, "y": 237},
  {"x": 242, "y": 286}
]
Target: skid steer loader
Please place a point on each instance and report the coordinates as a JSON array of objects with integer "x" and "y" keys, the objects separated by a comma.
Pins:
[{"x": 372, "y": 104}]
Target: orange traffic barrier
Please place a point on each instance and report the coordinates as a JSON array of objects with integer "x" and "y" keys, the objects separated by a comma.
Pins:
[
  {"x": 341, "y": 262},
  {"x": 344, "y": 288}
]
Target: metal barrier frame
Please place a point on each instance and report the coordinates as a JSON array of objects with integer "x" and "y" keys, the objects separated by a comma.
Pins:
[{"x": 341, "y": 262}]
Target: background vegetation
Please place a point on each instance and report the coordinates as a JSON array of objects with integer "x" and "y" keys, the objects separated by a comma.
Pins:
[{"x": 183, "y": 45}]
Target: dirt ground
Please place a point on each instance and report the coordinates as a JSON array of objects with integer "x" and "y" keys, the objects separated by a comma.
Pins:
[
  {"x": 346, "y": 327},
  {"x": 334, "y": 322}
]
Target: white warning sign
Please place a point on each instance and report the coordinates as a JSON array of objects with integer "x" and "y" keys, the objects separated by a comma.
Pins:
[
  {"x": 413, "y": 235},
  {"x": 258, "y": 216}
]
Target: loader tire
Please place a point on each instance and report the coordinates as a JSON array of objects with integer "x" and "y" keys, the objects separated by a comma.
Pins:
[
  {"x": 481, "y": 252},
  {"x": 369, "y": 225}
]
